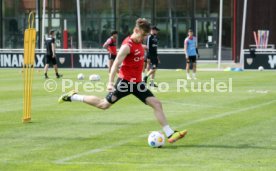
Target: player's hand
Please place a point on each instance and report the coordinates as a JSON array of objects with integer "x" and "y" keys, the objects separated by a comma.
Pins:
[
  {"x": 54, "y": 56},
  {"x": 110, "y": 87},
  {"x": 145, "y": 47},
  {"x": 198, "y": 56}
]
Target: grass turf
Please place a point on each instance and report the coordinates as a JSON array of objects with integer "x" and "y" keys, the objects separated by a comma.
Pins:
[{"x": 227, "y": 131}]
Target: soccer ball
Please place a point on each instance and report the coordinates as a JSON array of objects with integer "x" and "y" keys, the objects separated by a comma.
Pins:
[
  {"x": 80, "y": 76},
  {"x": 94, "y": 77},
  {"x": 261, "y": 68},
  {"x": 156, "y": 139}
]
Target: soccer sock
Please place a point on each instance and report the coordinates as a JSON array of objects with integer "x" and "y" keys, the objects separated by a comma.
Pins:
[
  {"x": 168, "y": 130},
  {"x": 45, "y": 74},
  {"x": 77, "y": 98},
  {"x": 152, "y": 81},
  {"x": 143, "y": 74},
  {"x": 57, "y": 74},
  {"x": 194, "y": 74},
  {"x": 188, "y": 74}
]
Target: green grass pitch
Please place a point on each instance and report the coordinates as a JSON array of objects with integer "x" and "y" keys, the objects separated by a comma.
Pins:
[{"x": 227, "y": 131}]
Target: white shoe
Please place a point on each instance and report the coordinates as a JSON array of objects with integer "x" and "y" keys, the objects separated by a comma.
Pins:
[{"x": 189, "y": 78}]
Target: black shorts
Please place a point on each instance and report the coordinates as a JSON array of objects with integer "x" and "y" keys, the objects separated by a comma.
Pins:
[
  {"x": 112, "y": 57},
  {"x": 191, "y": 59},
  {"x": 124, "y": 88},
  {"x": 153, "y": 63},
  {"x": 49, "y": 59}
]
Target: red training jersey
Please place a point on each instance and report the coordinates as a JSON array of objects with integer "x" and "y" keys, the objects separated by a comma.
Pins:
[
  {"x": 132, "y": 67},
  {"x": 111, "y": 46}
]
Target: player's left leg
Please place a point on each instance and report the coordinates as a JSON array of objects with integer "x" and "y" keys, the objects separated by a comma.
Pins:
[
  {"x": 46, "y": 70},
  {"x": 110, "y": 64},
  {"x": 188, "y": 68},
  {"x": 56, "y": 71},
  {"x": 172, "y": 135},
  {"x": 56, "y": 67},
  {"x": 158, "y": 110},
  {"x": 194, "y": 68},
  {"x": 145, "y": 95},
  {"x": 151, "y": 73},
  {"x": 154, "y": 66},
  {"x": 47, "y": 62},
  {"x": 148, "y": 65},
  {"x": 152, "y": 84}
]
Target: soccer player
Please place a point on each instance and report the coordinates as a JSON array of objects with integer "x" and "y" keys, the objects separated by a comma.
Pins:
[
  {"x": 110, "y": 45},
  {"x": 131, "y": 56},
  {"x": 152, "y": 44},
  {"x": 191, "y": 52},
  {"x": 51, "y": 54}
]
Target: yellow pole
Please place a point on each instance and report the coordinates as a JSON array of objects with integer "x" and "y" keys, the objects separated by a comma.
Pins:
[{"x": 28, "y": 67}]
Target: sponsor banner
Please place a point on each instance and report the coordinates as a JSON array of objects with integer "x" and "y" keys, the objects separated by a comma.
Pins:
[
  {"x": 84, "y": 60},
  {"x": 90, "y": 60},
  {"x": 15, "y": 60},
  {"x": 254, "y": 60}
]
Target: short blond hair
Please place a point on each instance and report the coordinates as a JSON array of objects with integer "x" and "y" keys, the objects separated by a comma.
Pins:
[{"x": 143, "y": 24}]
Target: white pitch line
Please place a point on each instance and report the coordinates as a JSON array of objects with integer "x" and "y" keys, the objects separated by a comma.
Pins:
[
  {"x": 228, "y": 113},
  {"x": 97, "y": 150}
]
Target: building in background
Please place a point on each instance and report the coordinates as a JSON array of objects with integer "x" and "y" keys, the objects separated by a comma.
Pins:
[{"x": 173, "y": 17}]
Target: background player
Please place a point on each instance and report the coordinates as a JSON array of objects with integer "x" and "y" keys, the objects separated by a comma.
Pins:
[
  {"x": 131, "y": 56},
  {"x": 146, "y": 60},
  {"x": 110, "y": 45},
  {"x": 190, "y": 50},
  {"x": 51, "y": 54},
  {"x": 152, "y": 44}
]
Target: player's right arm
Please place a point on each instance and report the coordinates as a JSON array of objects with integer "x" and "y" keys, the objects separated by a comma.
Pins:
[
  {"x": 149, "y": 43},
  {"x": 185, "y": 48},
  {"x": 106, "y": 44},
  {"x": 123, "y": 52}
]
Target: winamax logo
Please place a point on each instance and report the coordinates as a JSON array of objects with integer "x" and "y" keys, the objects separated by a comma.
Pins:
[
  {"x": 16, "y": 60},
  {"x": 87, "y": 61}
]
